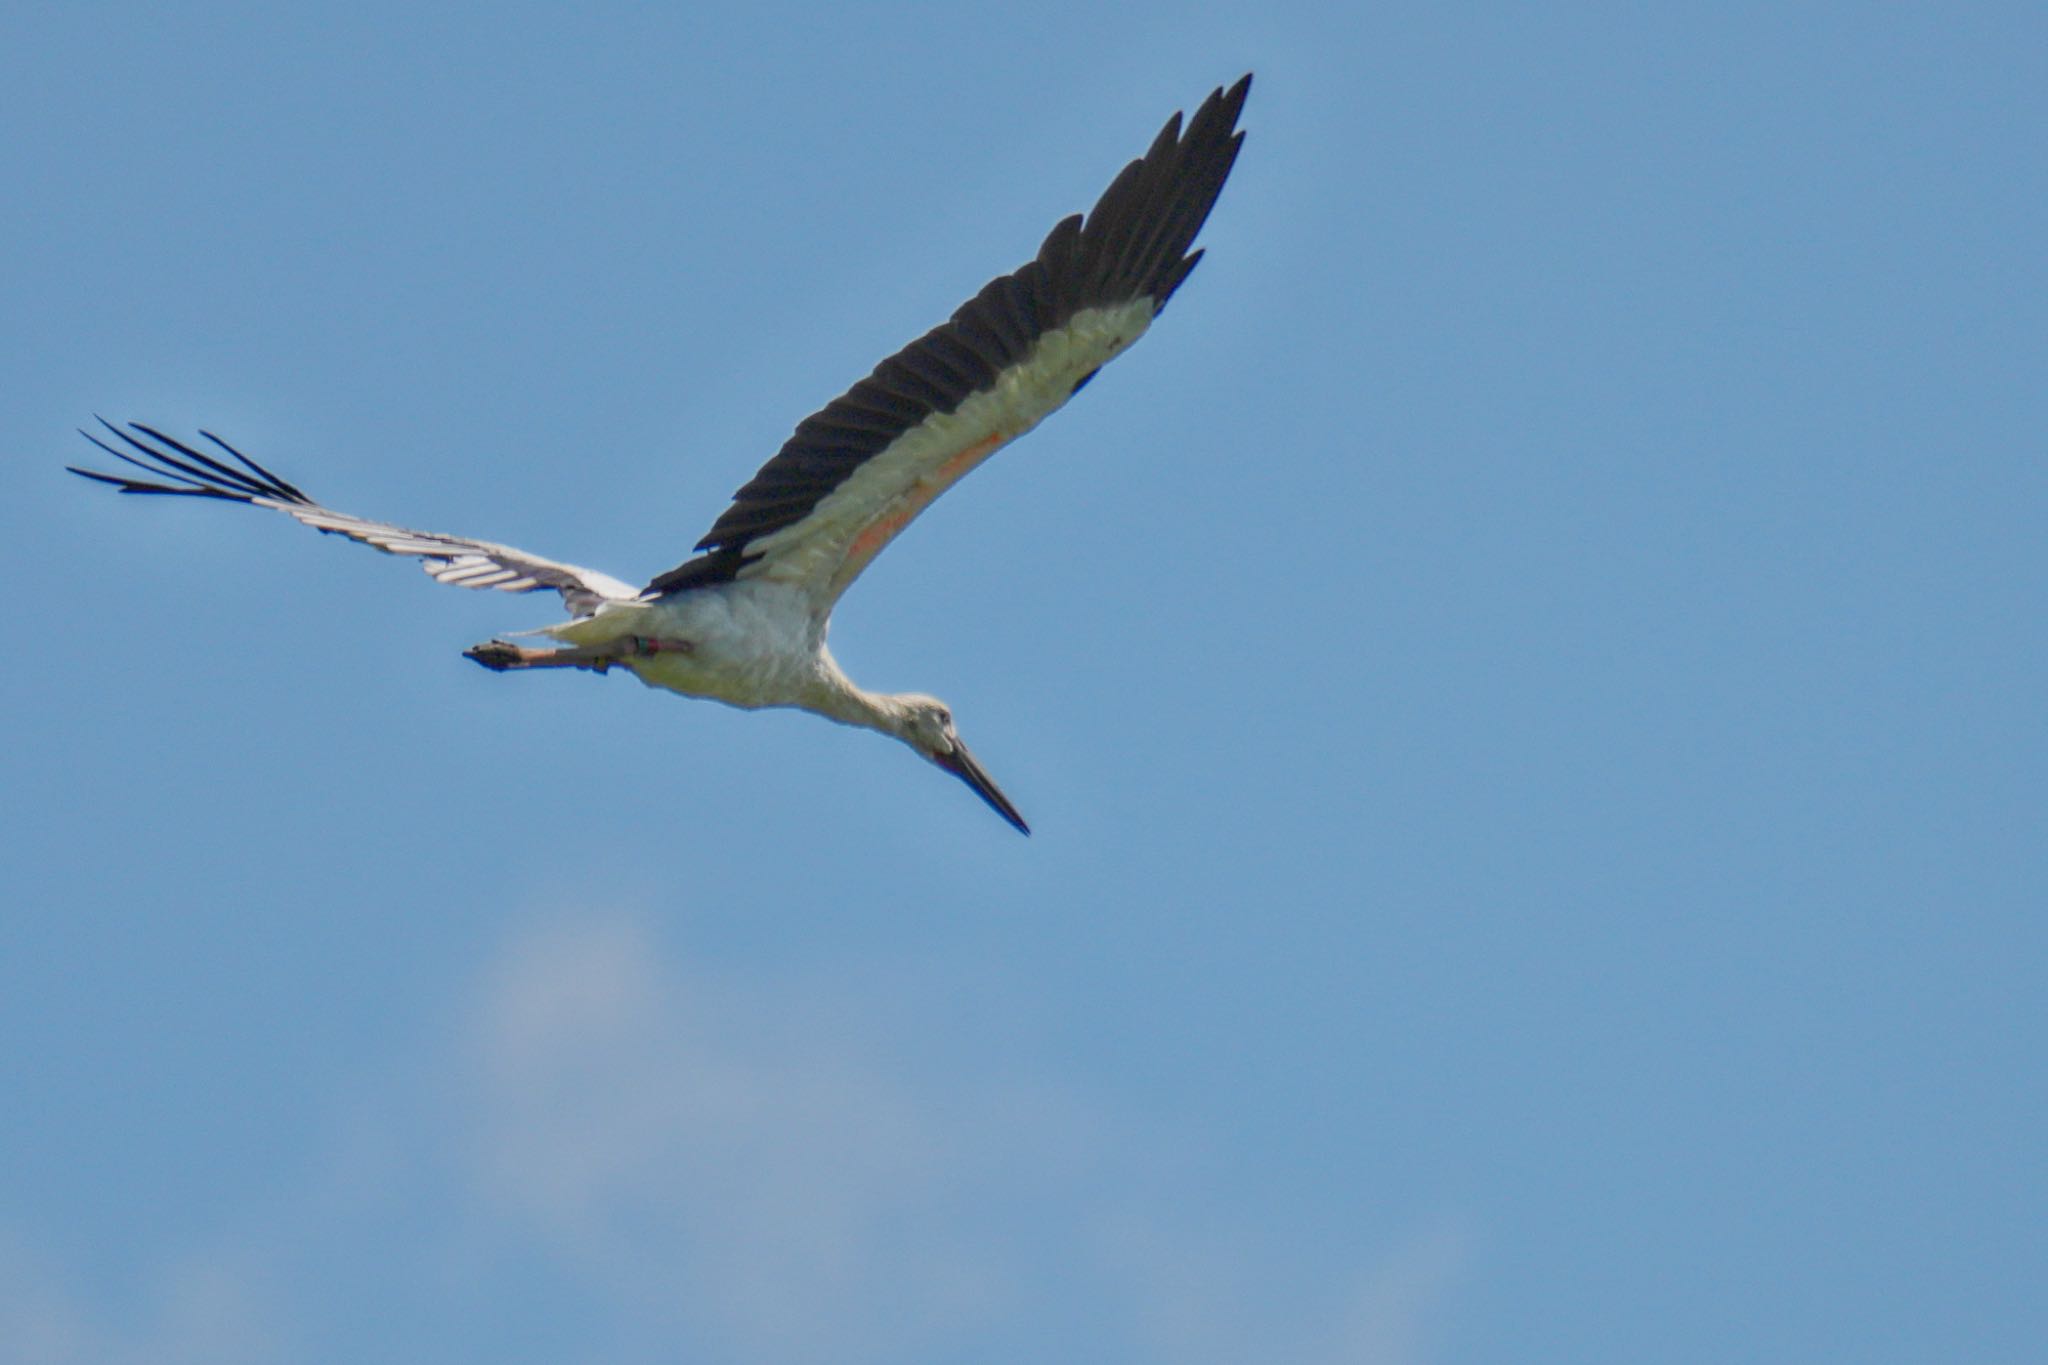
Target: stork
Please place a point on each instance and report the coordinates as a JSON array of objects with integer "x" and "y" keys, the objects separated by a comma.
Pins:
[{"x": 744, "y": 619}]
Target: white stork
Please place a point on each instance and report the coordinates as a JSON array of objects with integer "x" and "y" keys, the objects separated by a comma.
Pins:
[{"x": 743, "y": 621}]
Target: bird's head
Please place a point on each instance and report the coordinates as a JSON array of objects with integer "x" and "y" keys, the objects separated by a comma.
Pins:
[{"x": 926, "y": 725}]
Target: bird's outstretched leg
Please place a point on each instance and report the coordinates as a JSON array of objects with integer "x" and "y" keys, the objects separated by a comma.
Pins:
[{"x": 501, "y": 656}]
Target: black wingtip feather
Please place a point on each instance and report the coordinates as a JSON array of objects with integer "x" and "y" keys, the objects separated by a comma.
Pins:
[
  {"x": 192, "y": 473},
  {"x": 1133, "y": 244},
  {"x": 196, "y": 462},
  {"x": 125, "y": 458},
  {"x": 128, "y": 485},
  {"x": 273, "y": 480}
]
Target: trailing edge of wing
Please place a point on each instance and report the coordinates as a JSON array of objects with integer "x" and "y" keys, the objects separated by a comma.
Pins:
[{"x": 177, "y": 469}]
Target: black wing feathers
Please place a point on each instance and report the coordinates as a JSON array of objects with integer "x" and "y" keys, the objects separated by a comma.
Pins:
[
  {"x": 1133, "y": 244},
  {"x": 197, "y": 475}
]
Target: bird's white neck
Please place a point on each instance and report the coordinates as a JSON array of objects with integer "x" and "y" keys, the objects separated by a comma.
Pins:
[{"x": 845, "y": 701}]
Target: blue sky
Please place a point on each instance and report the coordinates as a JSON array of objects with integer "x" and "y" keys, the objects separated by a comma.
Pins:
[{"x": 1527, "y": 684}]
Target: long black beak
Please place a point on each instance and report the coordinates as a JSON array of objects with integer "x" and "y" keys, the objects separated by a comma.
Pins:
[{"x": 961, "y": 764}]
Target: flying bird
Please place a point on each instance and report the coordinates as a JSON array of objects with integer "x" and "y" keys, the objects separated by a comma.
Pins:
[{"x": 744, "y": 619}]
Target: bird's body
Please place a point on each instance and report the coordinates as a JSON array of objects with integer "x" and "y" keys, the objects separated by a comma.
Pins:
[
  {"x": 744, "y": 621},
  {"x": 748, "y": 644}
]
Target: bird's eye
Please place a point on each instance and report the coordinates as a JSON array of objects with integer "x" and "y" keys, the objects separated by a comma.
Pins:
[{"x": 945, "y": 717}]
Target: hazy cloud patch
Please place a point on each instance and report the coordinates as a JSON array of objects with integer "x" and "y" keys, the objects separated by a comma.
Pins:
[
  {"x": 605, "y": 1152},
  {"x": 792, "y": 1187},
  {"x": 195, "y": 1309},
  {"x": 674, "y": 1140}
]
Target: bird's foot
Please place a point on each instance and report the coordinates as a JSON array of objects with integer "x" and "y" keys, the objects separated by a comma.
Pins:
[{"x": 498, "y": 655}]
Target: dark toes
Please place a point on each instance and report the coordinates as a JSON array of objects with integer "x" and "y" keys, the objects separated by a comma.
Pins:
[{"x": 495, "y": 655}]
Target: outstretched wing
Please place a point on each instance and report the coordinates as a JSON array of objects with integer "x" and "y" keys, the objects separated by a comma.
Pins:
[
  {"x": 857, "y": 472},
  {"x": 448, "y": 559}
]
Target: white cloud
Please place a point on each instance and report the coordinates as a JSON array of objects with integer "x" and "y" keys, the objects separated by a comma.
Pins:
[
  {"x": 38, "y": 1317},
  {"x": 194, "y": 1310},
  {"x": 670, "y": 1163},
  {"x": 1391, "y": 1307},
  {"x": 1205, "y": 1299},
  {"x": 681, "y": 1145},
  {"x": 744, "y": 1159}
]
